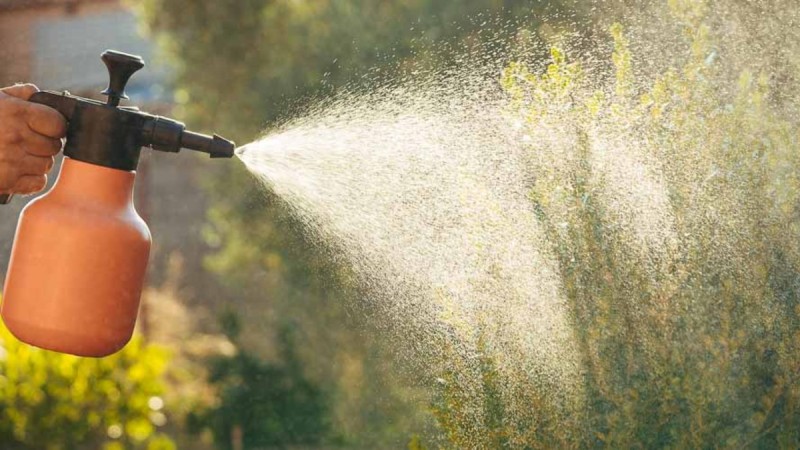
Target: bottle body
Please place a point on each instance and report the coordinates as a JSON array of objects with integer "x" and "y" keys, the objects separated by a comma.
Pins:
[{"x": 78, "y": 264}]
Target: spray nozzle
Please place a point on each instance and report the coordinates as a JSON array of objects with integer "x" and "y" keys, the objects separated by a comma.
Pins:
[
  {"x": 109, "y": 135},
  {"x": 169, "y": 135},
  {"x": 216, "y": 146}
]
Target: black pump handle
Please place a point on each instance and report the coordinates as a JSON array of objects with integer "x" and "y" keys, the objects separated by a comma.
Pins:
[{"x": 120, "y": 68}]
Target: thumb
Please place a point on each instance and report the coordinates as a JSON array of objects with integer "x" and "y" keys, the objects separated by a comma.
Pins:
[{"x": 20, "y": 91}]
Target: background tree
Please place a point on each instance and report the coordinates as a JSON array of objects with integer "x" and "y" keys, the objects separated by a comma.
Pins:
[
  {"x": 695, "y": 346},
  {"x": 704, "y": 355},
  {"x": 268, "y": 405},
  {"x": 241, "y": 66}
]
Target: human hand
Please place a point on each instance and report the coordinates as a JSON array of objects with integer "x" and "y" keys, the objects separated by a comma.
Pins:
[{"x": 30, "y": 137}]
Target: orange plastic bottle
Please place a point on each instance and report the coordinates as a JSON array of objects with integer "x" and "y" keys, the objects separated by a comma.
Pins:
[
  {"x": 80, "y": 252},
  {"x": 78, "y": 264}
]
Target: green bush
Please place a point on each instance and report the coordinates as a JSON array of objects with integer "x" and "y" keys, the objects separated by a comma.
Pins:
[
  {"x": 267, "y": 405},
  {"x": 685, "y": 309},
  {"x": 51, "y": 401}
]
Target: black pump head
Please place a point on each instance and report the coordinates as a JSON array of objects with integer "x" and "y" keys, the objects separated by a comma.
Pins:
[{"x": 112, "y": 136}]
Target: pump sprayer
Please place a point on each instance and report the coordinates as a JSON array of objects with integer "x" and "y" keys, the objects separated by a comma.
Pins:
[{"x": 80, "y": 252}]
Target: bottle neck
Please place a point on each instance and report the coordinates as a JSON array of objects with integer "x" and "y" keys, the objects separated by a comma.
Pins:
[{"x": 95, "y": 184}]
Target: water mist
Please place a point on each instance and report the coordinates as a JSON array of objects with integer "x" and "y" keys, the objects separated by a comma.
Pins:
[{"x": 587, "y": 242}]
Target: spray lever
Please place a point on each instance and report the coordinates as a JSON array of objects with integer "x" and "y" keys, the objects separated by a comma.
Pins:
[{"x": 110, "y": 135}]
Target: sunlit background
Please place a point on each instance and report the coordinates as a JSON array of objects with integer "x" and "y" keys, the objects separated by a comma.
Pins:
[{"x": 459, "y": 224}]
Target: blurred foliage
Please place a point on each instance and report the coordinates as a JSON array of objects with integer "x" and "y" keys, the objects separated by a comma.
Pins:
[
  {"x": 693, "y": 345},
  {"x": 268, "y": 405},
  {"x": 242, "y": 66},
  {"x": 51, "y": 401}
]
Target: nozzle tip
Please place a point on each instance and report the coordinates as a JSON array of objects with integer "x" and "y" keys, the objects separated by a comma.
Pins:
[{"x": 221, "y": 147}]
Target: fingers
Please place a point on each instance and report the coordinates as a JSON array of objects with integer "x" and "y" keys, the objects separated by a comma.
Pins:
[
  {"x": 35, "y": 165},
  {"x": 20, "y": 91},
  {"x": 40, "y": 118},
  {"x": 30, "y": 184},
  {"x": 39, "y": 145},
  {"x": 45, "y": 121},
  {"x": 30, "y": 135},
  {"x": 16, "y": 165}
]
